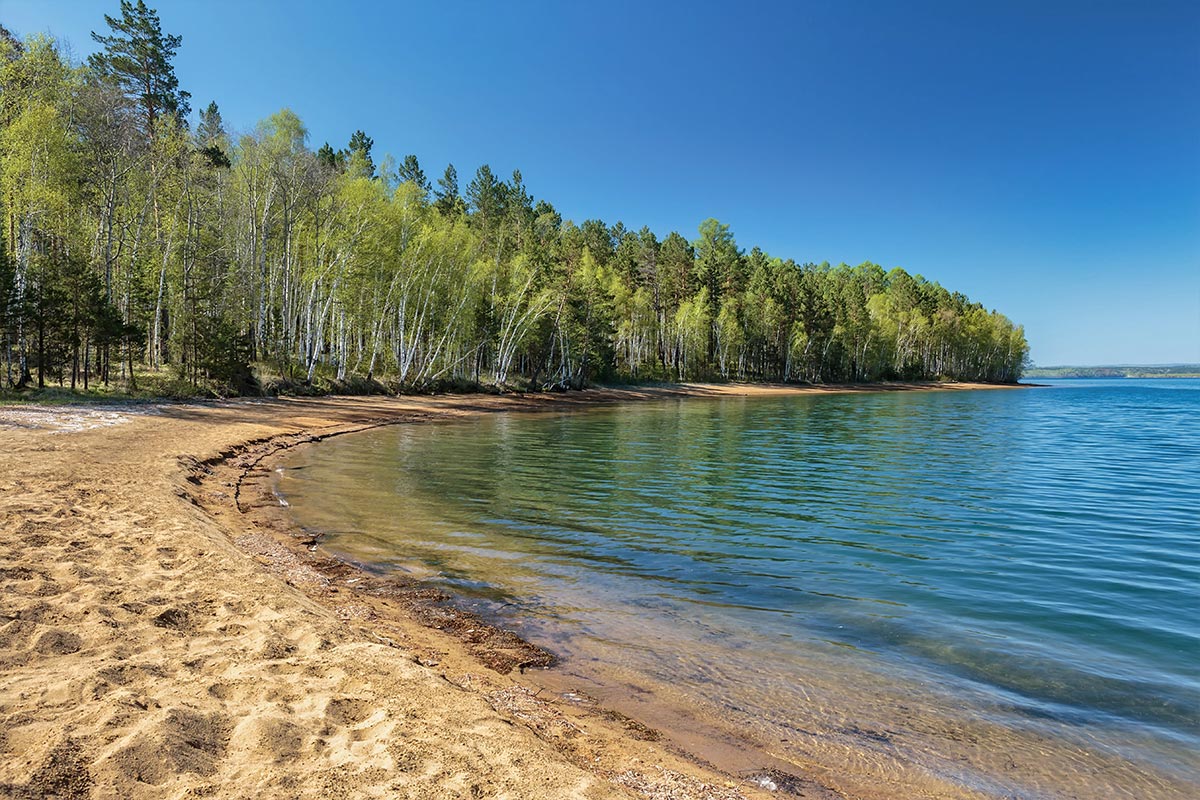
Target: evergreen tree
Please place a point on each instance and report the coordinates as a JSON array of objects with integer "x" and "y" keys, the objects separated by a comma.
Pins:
[
  {"x": 10, "y": 46},
  {"x": 333, "y": 160},
  {"x": 206, "y": 255},
  {"x": 518, "y": 210},
  {"x": 446, "y": 199},
  {"x": 358, "y": 155},
  {"x": 210, "y": 137},
  {"x": 211, "y": 130},
  {"x": 137, "y": 58},
  {"x": 411, "y": 171},
  {"x": 485, "y": 200},
  {"x": 547, "y": 224},
  {"x": 718, "y": 260}
]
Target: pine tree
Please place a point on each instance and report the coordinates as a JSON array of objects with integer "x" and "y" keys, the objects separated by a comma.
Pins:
[
  {"x": 124, "y": 235},
  {"x": 411, "y": 171},
  {"x": 210, "y": 136},
  {"x": 358, "y": 155},
  {"x": 137, "y": 58},
  {"x": 10, "y": 46},
  {"x": 446, "y": 198},
  {"x": 485, "y": 197},
  {"x": 211, "y": 129},
  {"x": 331, "y": 159}
]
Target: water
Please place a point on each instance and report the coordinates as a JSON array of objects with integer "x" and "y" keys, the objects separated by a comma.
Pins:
[{"x": 939, "y": 593}]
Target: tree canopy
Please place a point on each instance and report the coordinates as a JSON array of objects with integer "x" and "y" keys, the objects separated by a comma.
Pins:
[
  {"x": 137, "y": 57},
  {"x": 132, "y": 243}
]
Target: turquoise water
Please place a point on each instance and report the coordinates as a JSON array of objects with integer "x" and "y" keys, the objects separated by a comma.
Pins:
[{"x": 973, "y": 587}]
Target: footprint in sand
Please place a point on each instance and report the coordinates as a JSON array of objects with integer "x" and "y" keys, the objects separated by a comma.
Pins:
[
  {"x": 182, "y": 742},
  {"x": 347, "y": 711},
  {"x": 58, "y": 642}
]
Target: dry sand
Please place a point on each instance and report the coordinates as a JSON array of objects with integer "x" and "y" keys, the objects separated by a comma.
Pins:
[{"x": 165, "y": 633}]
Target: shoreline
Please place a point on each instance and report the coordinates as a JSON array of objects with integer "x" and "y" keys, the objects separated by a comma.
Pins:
[{"x": 190, "y": 477}]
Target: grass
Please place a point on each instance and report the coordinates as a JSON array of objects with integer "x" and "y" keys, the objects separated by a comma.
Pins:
[
  {"x": 272, "y": 380},
  {"x": 269, "y": 380}
]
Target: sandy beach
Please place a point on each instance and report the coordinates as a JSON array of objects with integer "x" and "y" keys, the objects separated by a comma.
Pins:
[{"x": 164, "y": 632}]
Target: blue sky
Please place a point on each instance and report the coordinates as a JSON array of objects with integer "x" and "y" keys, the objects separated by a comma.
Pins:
[{"x": 1041, "y": 157}]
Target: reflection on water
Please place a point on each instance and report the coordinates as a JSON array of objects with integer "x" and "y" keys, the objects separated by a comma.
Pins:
[{"x": 949, "y": 592}]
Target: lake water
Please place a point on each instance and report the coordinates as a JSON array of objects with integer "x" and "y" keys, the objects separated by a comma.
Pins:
[{"x": 941, "y": 594}]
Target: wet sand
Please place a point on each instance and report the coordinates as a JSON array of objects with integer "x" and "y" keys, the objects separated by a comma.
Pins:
[{"x": 165, "y": 632}]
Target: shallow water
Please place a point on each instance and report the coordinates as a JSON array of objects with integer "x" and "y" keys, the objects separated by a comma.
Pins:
[{"x": 940, "y": 592}]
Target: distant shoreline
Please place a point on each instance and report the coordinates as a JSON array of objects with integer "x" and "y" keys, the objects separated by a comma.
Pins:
[{"x": 1117, "y": 371}]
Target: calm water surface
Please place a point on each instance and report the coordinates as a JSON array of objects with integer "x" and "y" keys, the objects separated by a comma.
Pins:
[{"x": 937, "y": 592}]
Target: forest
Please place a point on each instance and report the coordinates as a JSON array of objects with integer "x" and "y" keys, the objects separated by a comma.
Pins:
[
  {"x": 140, "y": 241},
  {"x": 1126, "y": 371}
]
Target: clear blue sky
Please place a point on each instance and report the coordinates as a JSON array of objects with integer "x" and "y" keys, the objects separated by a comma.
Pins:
[{"x": 1042, "y": 157}]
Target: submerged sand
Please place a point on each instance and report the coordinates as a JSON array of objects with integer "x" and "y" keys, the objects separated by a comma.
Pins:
[{"x": 165, "y": 633}]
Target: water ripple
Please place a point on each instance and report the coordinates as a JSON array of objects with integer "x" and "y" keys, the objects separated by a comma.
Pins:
[{"x": 1035, "y": 554}]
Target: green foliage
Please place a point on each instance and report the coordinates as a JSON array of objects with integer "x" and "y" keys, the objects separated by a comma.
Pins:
[
  {"x": 411, "y": 172},
  {"x": 445, "y": 197},
  {"x": 331, "y": 159},
  {"x": 1161, "y": 371},
  {"x": 135, "y": 254},
  {"x": 358, "y": 156},
  {"x": 485, "y": 200},
  {"x": 137, "y": 58},
  {"x": 10, "y": 46},
  {"x": 211, "y": 140}
]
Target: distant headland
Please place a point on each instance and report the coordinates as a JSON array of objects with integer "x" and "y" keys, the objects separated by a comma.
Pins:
[{"x": 1117, "y": 371}]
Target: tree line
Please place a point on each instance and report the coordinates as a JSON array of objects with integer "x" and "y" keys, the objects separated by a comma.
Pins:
[{"x": 136, "y": 242}]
